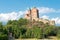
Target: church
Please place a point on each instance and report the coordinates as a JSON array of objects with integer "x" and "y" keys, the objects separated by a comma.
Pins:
[{"x": 33, "y": 15}]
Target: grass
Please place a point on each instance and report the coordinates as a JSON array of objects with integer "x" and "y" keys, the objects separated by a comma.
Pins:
[
  {"x": 37, "y": 39},
  {"x": 50, "y": 38}
]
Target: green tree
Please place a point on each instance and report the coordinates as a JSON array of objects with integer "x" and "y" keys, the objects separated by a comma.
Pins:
[
  {"x": 22, "y": 21},
  {"x": 37, "y": 32},
  {"x": 3, "y": 36},
  {"x": 58, "y": 33},
  {"x": 1, "y": 27},
  {"x": 29, "y": 33},
  {"x": 49, "y": 31}
]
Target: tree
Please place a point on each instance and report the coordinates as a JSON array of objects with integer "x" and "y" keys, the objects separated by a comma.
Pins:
[
  {"x": 29, "y": 33},
  {"x": 1, "y": 27},
  {"x": 49, "y": 31},
  {"x": 23, "y": 32},
  {"x": 12, "y": 22},
  {"x": 21, "y": 29},
  {"x": 37, "y": 32},
  {"x": 22, "y": 21},
  {"x": 14, "y": 29},
  {"x": 3, "y": 36},
  {"x": 58, "y": 32}
]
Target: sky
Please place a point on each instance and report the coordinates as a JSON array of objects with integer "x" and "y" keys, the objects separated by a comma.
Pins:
[{"x": 15, "y": 9}]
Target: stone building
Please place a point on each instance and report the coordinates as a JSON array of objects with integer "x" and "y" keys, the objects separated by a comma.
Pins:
[{"x": 33, "y": 14}]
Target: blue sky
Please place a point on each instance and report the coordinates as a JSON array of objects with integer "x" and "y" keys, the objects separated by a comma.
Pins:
[
  {"x": 17, "y": 5},
  {"x": 49, "y": 9}
]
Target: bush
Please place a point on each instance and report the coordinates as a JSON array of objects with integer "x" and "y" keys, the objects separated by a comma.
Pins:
[
  {"x": 58, "y": 33},
  {"x": 3, "y": 36},
  {"x": 37, "y": 32}
]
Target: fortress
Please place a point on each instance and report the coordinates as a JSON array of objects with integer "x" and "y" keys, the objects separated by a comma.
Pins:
[{"x": 33, "y": 15}]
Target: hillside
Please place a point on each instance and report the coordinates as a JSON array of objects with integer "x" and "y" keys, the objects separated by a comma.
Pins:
[{"x": 24, "y": 28}]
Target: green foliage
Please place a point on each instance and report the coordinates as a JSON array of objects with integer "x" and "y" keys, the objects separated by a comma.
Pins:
[
  {"x": 22, "y": 21},
  {"x": 1, "y": 27},
  {"x": 34, "y": 32},
  {"x": 58, "y": 34},
  {"x": 14, "y": 29},
  {"x": 37, "y": 32},
  {"x": 22, "y": 29},
  {"x": 22, "y": 32},
  {"x": 29, "y": 33},
  {"x": 3, "y": 36}
]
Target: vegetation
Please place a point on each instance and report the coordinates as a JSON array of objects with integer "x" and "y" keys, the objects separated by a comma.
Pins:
[{"x": 23, "y": 28}]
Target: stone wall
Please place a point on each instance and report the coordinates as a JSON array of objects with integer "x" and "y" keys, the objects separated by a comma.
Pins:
[{"x": 33, "y": 14}]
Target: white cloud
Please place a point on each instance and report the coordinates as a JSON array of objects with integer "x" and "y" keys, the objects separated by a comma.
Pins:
[
  {"x": 11, "y": 16},
  {"x": 44, "y": 17},
  {"x": 48, "y": 10},
  {"x": 57, "y": 20},
  {"x": 42, "y": 10}
]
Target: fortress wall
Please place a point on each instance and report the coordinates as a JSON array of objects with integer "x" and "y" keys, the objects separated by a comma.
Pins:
[{"x": 34, "y": 15}]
